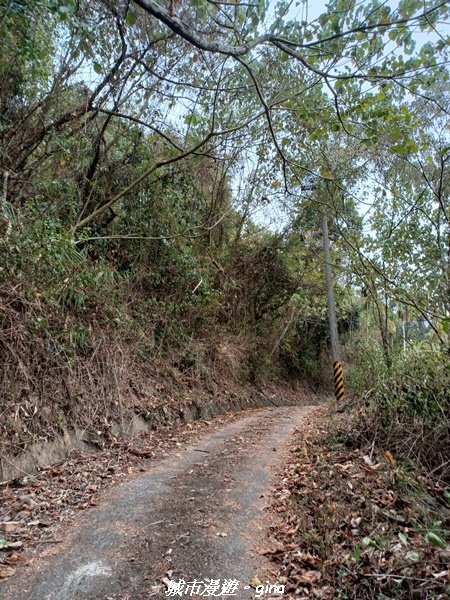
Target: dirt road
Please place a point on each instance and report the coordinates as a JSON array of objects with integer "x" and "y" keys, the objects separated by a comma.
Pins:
[{"x": 196, "y": 515}]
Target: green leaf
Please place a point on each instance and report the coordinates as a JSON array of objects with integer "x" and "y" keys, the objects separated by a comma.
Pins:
[
  {"x": 193, "y": 120},
  {"x": 435, "y": 540},
  {"x": 402, "y": 537},
  {"x": 356, "y": 554},
  {"x": 398, "y": 149},
  {"x": 393, "y": 34},
  {"x": 97, "y": 67},
  {"x": 66, "y": 10},
  {"x": 131, "y": 19}
]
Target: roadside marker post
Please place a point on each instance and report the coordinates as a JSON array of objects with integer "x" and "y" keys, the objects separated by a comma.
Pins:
[{"x": 338, "y": 381}]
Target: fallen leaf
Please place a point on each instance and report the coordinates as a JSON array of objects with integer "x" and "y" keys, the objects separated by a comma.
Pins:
[
  {"x": 13, "y": 558},
  {"x": 445, "y": 573},
  {"x": 390, "y": 458},
  {"x": 368, "y": 460},
  {"x": 309, "y": 578},
  {"x": 6, "y": 571},
  {"x": 14, "y": 545},
  {"x": 8, "y": 526}
]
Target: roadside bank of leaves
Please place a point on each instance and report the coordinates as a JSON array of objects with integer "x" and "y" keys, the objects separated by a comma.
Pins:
[{"x": 355, "y": 524}]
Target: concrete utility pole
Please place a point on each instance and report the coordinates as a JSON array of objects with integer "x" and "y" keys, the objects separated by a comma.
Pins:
[{"x": 334, "y": 338}]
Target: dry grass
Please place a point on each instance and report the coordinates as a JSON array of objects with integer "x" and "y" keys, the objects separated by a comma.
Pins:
[{"x": 417, "y": 442}]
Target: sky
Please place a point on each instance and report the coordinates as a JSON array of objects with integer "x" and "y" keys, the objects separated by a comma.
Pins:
[{"x": 311, "y": 9}]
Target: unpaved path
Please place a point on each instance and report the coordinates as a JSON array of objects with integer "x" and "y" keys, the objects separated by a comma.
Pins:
[{"x": 194, "y": 515}]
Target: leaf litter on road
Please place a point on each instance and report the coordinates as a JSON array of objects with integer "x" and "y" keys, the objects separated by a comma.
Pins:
[{"x": 35, "y": 509}]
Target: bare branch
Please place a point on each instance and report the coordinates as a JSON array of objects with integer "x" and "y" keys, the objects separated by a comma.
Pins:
[{"x": 190, "y": 35}]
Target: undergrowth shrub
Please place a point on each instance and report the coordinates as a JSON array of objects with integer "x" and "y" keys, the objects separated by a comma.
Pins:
[
  {"x": 419, "y": 386},
  {"x": 408, "y": 404},
  {"x": 41, "y": 259},
  {"x": 301, "y": 352},
  {"x": 366, "y": 367}
]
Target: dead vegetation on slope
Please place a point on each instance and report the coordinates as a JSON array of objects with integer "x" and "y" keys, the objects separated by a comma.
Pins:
[
  {"x": 114, "y": 387},
  {"x": 357, "y": 524}
]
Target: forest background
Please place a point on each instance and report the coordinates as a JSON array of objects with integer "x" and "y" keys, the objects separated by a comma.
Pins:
[{"x": 165, "y": 168}]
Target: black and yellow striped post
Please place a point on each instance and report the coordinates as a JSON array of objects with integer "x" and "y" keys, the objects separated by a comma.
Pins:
[{"x": 338, "y": 381}]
